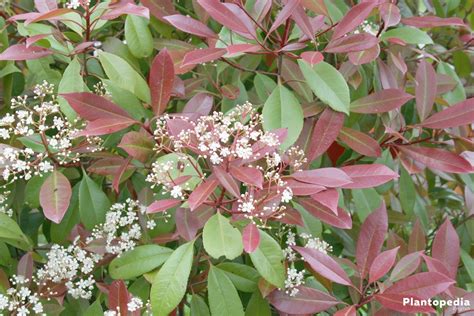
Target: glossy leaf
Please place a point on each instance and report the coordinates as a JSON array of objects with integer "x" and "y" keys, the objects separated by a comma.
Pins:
[
  {"x": 55, "y": 196},
  {"x": 354, "y": 17},
  {"x": 306, "y": 301},
  {"x": 425, "y": 89},
  {"x": 341, "y": 220},
  {"x": 368, "y": 176},
  {"x": 223, "y": 297},
  {"x": 328, "y": 177},
  {"x": 446, "y": 247},
  {"x": 21, "y": 52},
  {"x": 360, "y": 142},
  {"x": 459, "y": 114},
  {"x": 380, "y": 102},
  {"x": 250, "y": 237},
  {"x": 382, "y": 264},
  {"x": 220, "y": 238},
  {"x": 325, "y": 132},
  {"x": 161, "y": 81},
  {"x": 190, "y": 25},
  {"x": 201, "y": 193}
]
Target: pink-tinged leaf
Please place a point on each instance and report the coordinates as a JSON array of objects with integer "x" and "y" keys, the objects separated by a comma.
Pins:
[
  {"x": 446, "y": 247},
  {"x": 434, "y": 265},
  {"x": 394, "y": 301},
  {"x": 120, "y": 172},
  {"x": 328, "y": 198},
  {"x": 291, "y": 217},
  {"x": 21, "y": 52},
  {"x": 138, "y": 145},
  {"x": 368, "y": 176},
  {"x": 360, "y": 142},
  {"x": 328, "y": 177},
  {"x": 317, "y": 6},
  {"x": 105, "y": 126},
  {"x": 160, "y": 8},
  {"x": 33, "y": 39},
  {"x": 82, "y": 47},
  {"x": 177, "y": 125},
  {"x": 200, "y": 56},
  {"x": 381, "y": 101},
  {"x": 324, "y": 265},
  {"x": 242, "y": 48},
  {"x": 386, "y": 75},
  {"x": 188, "y": 223},
  {"x": 117, "y": 10},
  {"x": 161, "y": 81},
  {"x": 423, "y": 285},
  {"x": 365, "y": 56},
  {"x": 341, "y": 220},
  {"x": 312, "y": 58},
  {"x": 459, "y": 114},
  {"x": 437, "y": 159},
  {"x": 49, "y": 15},
  {"x": 432, "y": 21},
  {"x": 162, "y": 205},
  {"x": 55, "y": 196},
  {"x": 92, "y": 107},
  {"x": 302, "y": 188},
  {"x": 417, "y": 240},
  {"x": 397, "y": 60},
  {"x": 227, "y": 181},
  {"x": 190, "y": 25},
  {"x": 118, "y": 297},
  {"x": 425, "y": 89},
  {"x": 45, "y": 5},
  {"x": 371, "y": 238},
  {"x": 260, "y": 9},
  {"x": 201, "y": 104},
  {"x": 250, "y": 238},
  {"x": 356, "y": 15},
  {"x": 248, "y": 175},
  {"x": 224, "y": 15},
  {"x": 406, "y": 266},
  {"x": 352, "y": 43},
  {"x": 382, "y": 264},
  {"x": 25, "y": 266},
  {"x": 303, "y": 21},
  {"x": 390, "y": 14},
  {"x": 348, "y": 311},
  {"x": 201, "y": 193},
  {"x": 325, "y": 132},
  {"x": 444, "y": 83},
  {"x": 284, "y": 14},
  {"x": 306, "y": 301},
  {"x": 107, "y": 166}
]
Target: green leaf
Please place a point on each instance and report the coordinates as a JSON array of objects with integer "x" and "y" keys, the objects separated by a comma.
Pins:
[
  {"x": 458, "y": 94},
  {"x": 199, "y": 306},
  {"x": 71, "y": 82},
  {"x": 138, "y": 261},
  {"x": 264, "y": 86},
  {"x": 121, "y": 73},
  {"x": 220, "y": 238},
  {"x": 245, "y": 278},
  {"x": 257, "y": 306},
  {"x": 11, "y": 233},
  {"x": 126, "y": 100},
  {"x": 468, "y": 262},
  {"x": 283, "y": 110},
  {"x": 328, "y": 85},
  {"x": 138, "y": 36},
  {"x": 93, "y": 203},
  {"x": 407, "y": 192},
  {"x": 33, "y": 188},
  {"x": 267, "y": 259},
  {"x": 94, "y": 310},
  {"x": 409, "y": 35},
  {"x": 223, "y": 297},
  {"x": 60, "y": 232},
  {"x": 365, "y": 200},
  {"x": 170, "y": 283}
]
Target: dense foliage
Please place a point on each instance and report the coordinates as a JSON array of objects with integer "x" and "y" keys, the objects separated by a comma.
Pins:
[{"x": 254, "y": 157}]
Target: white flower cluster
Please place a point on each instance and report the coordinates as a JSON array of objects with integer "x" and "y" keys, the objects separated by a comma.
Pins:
[
  {"x": 74, "y": 4},
  {"x": 40, "y": 121},
  {"x": 4, "y": 208},
  {"x": 19, "y": 299},
  {"x": 295, "y": 278},
  {"x": 134, "y": 304}
]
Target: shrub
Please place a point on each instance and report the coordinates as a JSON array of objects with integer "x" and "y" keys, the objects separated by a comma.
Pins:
[{"x": 235, "y": 158}]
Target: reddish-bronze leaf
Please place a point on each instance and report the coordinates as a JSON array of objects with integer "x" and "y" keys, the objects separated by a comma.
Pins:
[
  {"x": 360, "y": 142},
  {"x": 352, "y": 43},
  {"x": 303, "y": 188},
  {"x": 161, "y": 81},
  {"x": 394, "y": 301},
  {"x": 353, "y": 18},
  {"x": 201, "y": 104},
  {"x": 325, "y": 132},
  {"x": 417, "y": 240},
  {"x": 382, "y": 264},
  {"x": 200, "y": 56},
  {"x": 446, "y": 247},
  {"x": 312, "y": 58},
  {"x": 105, "y": 126},
  {"x": 459, "y": 114},
  {"x": 138, "y": 145},
  {"x": 21, "y": 52},
  {"x": 348, "y": 311},
  {"x": 55, "y": 196},
  {"x": 364, "y": 57},
  {"x": 118, "y": 297},
  {"x": 92, "y": 107},
  {"x": 406, "y": 266},
  {"x": 190, "y": 25},
  {"x": 432, "y": 21},
  {"x": 222, "y": 14},
  {"x": 248, "y": 175},
  {"x": 390, "y": 14},
  {"x": 341, "y": 220},
  {"x": 328, "y": 198},
  {"x": 159, "y": 8},
  {"x": 423, "y": 285},
  {"x": 425, "y": 89},
  {"x": 201, "y": 193},
  {"x": 306, "y": 301},
  {"x": 368, "y": 176},
  {"x": 250, "y": 238},
  {"x": 162, "y": 205},
  {"x": 381, "y": 101},
  {"x": 328, "y": 177},
  {"x": 227, "y": 181},
  {"x": 284, "y": 14}
]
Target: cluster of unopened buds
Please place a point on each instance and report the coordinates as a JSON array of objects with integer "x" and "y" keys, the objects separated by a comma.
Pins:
[
  {"x": 38, "y": 120},
  {"x": 73, "y": 265}
]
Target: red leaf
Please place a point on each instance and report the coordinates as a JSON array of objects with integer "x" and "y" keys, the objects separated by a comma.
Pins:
[
  {"x": 201, "y": 193},
  {"x": 33, "y": 39},
  {"x": 395, "y": 302},
  {"x": 341, "y": 220},
  {"x": 248, "y": 175},
  {"x": 200, "y": 56},
  {"x": 328, "y": 198},
  {"x": 390, "y": 14},
  {"x": 49, "y": 15},
  {"x": 55, "y": 196},
  {"x": 459, "y": 114},
  {"x": 227, "y": 181},
  {"x": 242, "y": 48},
  {"x": 303, "y": 22},
  {"x": 325, "y": 132},
  {"x": 177, "y": 125},
  {"x": 381, "y": 101},
  {"x": 368, "y": 176},
  {"x": 25, "y": 266},
  {"x": 105, "y": 126},
  {"x": 21, "y": 52},
  {"x": 162, "y": 205},
  {"x": 417, "y": 240},
  {"x": 371, "y": 238},
  {"x": 190, "y": 25},
  {"x": 201, "y": 103},
  {"x": 437, "y": 159},
  {"x": 188, "y": 223},
  {"x": 434, "y": 265},
  {"x": 92, "y": 107},
  {"x": 312, "y": 58},
  {"x": 291, "y": 217},
  {"x": 328, "y": 177},
  {"x": 406, "y": 266},
  {"x": 306, "y": 301},
  {"x": 353, "y": 18},
  {"x": 106, "y": 166},
  {"x": 382, "y": 264},
  {"x": 324, "y": 265},
  {"x": 423, "y": 285},
  {"x": 45, "y": 5},
  {"x": 284, "y": 14},
  {"x": 161, "y": 81},
  {"x": 250, "y": 238},
  {"x": 224, "y": 15},
  {"x": 360, "y": 142},
  {"x": 432, "y": 21},
  {"x": 352, "y": 43},
  {"x": 302, "y": 188},
  {"x": 446, "y": 247},
  {"x": 348, "y": 311},
  {"x": 317, "y": 6},
  {"x": 425, "y": 89},
  {"x": 365, "y": 56},
  {"x": 118, "y": 175},
  {"x": 137, "y": 145},
  {"x": 116, "y": 10},
  {"x": 160, "y": 8},
  {"x": 118, "y": 297}
]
